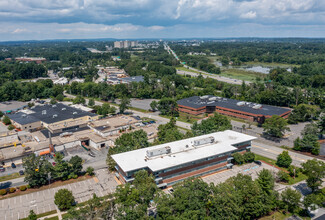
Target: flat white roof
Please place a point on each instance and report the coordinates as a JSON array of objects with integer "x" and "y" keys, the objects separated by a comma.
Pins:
[{"x": 180, "y": 153}]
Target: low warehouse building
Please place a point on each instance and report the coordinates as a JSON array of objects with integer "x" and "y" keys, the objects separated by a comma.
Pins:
[
  {"x": 175, "y": 161},
  {"x": 197, "y": 105}
]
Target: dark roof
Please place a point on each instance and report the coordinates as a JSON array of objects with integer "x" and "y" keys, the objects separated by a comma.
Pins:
[
  {"x": 133, "y": 79},
  {"x": 23, "y": 118},
  {"x": 45, "y": 132},
  {"x": 58, "y": 112},
  {"x": 209, "y": 100}
]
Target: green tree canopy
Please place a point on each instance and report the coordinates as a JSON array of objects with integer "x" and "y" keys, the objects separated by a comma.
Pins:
[
  {"x": 276, "y": 126},
  {"x": 125, "y": 104},
  {"x": 284, "y": 159},
  {"x": 64, "y": 199},
  {"x": 291, "y": 199},
  {"x": 212, "y": 124},
  {"x": 315, "y": 172}
]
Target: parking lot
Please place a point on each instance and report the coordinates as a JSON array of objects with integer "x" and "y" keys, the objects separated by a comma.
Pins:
[
  {"x": 43, "y": 201},
  {"x": 3, "y": 128},
  {"x": 251, "y": 169}
]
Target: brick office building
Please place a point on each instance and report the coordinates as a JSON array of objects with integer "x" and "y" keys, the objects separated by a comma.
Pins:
[
  {"x": 175, "y": 161},
  {"x": 197, "y": 105}
]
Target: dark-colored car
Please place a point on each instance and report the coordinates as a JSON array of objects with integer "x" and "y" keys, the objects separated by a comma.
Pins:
[
  {"x": 2, "y": 169},
  {"x": 152, "y": 122},
  {"x": 258, "y": 162},
  {"x": 21, "y": 172},
  {"x": 13, "y": 165},
  {"x": 91, "y": 154}
]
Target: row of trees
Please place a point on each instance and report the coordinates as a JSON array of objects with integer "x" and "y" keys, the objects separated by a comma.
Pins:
[
  {"x": 39, "y": 171},
  {"x": 239, "y": 197}
]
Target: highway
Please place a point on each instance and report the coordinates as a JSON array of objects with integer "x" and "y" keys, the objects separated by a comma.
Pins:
[{"x": 203, "y": 73}]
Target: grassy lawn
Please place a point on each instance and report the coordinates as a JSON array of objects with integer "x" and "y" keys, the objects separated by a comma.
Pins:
[
  {"x": 45, "y": 214},
  {"x": 10, "y": 177},
  {"x": 282, "y": 65},
  {"x": 241, "y": 74},
  {"x": 53, "y": 218},
  {"x": 292, "y": 180}
]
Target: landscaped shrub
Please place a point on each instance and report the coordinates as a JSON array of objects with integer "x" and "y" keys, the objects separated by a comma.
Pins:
[
  {"x": 22, "y": 188},
  {"x": 283, "y": 176},
  {"x": 3, "y": 192},
  {"x": 12, "y": 190}
]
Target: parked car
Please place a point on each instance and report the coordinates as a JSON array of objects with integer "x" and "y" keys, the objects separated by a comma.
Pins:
[
  {"x": 91, "y": 154},
  {"x": 258, "y": 162},
  {"x": 2, "y": 169},
  {"x": 13, "y": 165},
  {"x": 21, "y": 172}
]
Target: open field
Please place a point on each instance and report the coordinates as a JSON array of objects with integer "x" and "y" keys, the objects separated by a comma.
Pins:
[
  {"x": 10, "y": 177},
  {"x": 282, "y": 65},
  {"x": 188, "y": 70},
  {"x": 240, "y": 74}
]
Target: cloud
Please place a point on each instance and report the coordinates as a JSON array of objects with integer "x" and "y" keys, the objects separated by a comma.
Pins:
[
  {"x": 159, "y": 16},
  {"x": 249, "y": 15}
]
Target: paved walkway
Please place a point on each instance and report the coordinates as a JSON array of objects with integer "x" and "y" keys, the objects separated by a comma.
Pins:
[{"x": 43, "y": 201}]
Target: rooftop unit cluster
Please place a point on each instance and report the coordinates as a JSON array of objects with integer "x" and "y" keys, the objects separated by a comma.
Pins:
[{"x": 249, "y": 104}]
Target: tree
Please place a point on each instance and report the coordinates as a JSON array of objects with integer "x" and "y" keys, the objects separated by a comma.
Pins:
[
  {"x": 283, "y": 176},
  {"x": 276, "y": 126},
  {"x": 154, "y": 105},
  {"x": 266, "y": 181},
  {"x": 309, "y": 143},
  {"x": 212, "y": 124},
  {"x": 91, "y": 102},
  {"x": 76, "y": 165},
  {"x": 168, "y": 132},
  {"x": 291, "y": 199},
  {"x": 238, "y": 158},
  {"x": 53, "y": 101},
  {"x": 315, "y": 172},
  {"x": 37, "y": 170},
  {"x": 32, "y": 215},
  {"x": 125, "y": 104},
  {"x": 6, "y": 120},
  {"x": 60, "y": 97},
  {"x": 1, "y": 114},
  {"x": 284, "y": 159},
  {"x": 11, "y": 127},
  {"x": 168, "y": 106},
  {"x": 249, "y": 157},
  {"x": 310, "y": 129},
  {"x": 90, "y": 171},
  {"x": 79, "y": 100},
  {"x": 64, "y": 199},
  {"x": 61, "y": 170},
  {"x": 321, "y": 124}
]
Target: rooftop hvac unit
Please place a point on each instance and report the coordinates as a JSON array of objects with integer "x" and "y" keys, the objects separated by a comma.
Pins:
[
  {"x": 44, "y": 112},
  {"x": 204, "y": 97},
  {"x": 53, "y": 106},
  {"x": 202, "y": 141},
  {"x": 54, "y": 116},
  {"x": 75, "y": 113},
  {"x": 24, "y": 115},
  {"x": 64, "y": 109},
  {"x": 213, "y": 99},
  {"x": 258, "y": 106},
  {"x": 158, "y": 151},
  {"x": 240, "y": 103}
]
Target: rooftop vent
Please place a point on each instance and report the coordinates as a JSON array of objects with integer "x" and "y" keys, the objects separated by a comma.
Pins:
[
  {"x": 53, "y": 106},
  {"x": 24, "y": 115},
  {"x": 54, "y": 116},
  {"x": 258, "y": 106},
  {"x": 240, "y": 103},
  {"x": 75, "y": 113},
  {"x": 158, "y": 151},
  {"x": 202, "y": 141},
  {"x": 213, "y": 99},
  {"x": 204, "y": 97},
  {"x": 64, "y": 109}
]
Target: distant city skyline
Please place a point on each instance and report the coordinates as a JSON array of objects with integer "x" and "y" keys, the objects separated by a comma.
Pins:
[{"x": 131, "y": 19}]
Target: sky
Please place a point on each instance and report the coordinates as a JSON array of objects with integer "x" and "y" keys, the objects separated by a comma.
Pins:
[{"x": 127, "y": 19}]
